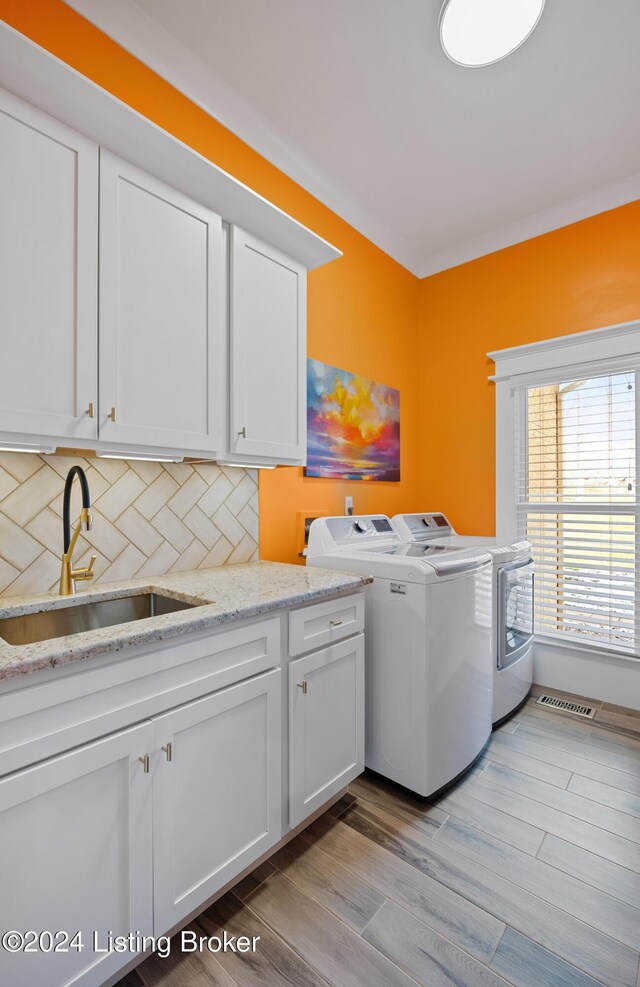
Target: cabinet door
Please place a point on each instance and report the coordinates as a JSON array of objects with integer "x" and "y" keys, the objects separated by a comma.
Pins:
[
  {"x": 268, "y": 352},
  {"x": 75, "y": 856},
  {"x": 216, "y": 793},
  {"x": 161, "y": 314},
  {"x": 48, "y": 275},
  {"x": 326, "y": 725}
]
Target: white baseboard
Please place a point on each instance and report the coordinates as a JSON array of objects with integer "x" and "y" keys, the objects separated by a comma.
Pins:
[{"x": 606, "y": 677}]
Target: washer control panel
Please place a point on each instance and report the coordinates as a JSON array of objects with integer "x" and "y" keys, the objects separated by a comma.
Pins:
[
  {"x": 350, "y": 529},
  {"x": 328, "y": 533},
  {"x": 382, "y": 525}
]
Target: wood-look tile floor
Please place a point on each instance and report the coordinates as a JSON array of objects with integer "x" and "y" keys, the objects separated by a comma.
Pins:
[{"x": 527, "y": 872}]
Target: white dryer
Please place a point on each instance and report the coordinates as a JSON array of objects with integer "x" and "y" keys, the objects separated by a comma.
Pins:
[
  {"x": 511, "y": 604},
  {"x": 427, "y": 644}
]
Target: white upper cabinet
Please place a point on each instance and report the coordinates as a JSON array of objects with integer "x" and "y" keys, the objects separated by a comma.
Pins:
[
  {"x": 161, "y": 315},
  {"x": 267, "y": 402},
  {"x": 48, "y": 276},
  {"x": 130, "y": 319}
]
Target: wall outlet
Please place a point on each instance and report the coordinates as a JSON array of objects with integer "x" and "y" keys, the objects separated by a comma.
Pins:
[{"x": 348, "y": 505}]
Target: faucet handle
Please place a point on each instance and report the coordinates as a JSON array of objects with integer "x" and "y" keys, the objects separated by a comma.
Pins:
[{"x": 86, "y": 572}]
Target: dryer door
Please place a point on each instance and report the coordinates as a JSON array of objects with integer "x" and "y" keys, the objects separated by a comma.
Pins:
[{"x": 515, "y": 611}]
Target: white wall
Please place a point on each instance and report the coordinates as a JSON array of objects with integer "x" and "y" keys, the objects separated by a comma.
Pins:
[{"x": 614, "y": 680}]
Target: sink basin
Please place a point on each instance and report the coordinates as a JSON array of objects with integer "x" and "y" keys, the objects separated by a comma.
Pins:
[{"x": 86, "y": 616}]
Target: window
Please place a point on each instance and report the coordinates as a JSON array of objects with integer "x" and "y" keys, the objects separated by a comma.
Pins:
[{"x": 576, "y": 501}]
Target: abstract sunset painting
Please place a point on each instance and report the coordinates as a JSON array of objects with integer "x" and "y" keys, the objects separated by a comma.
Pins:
[{"x": 353, "y": 426}]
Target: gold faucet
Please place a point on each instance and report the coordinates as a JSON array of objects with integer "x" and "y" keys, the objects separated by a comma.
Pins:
[{"x": 69, "y": 575}]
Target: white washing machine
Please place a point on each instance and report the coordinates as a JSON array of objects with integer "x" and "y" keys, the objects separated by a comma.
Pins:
[
  {"x": 428, "y": 648},
  {"x": 511, "y": 604}
]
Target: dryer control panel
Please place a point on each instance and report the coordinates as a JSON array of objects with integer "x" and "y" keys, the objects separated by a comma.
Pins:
[{"x": 421, "y": 527}]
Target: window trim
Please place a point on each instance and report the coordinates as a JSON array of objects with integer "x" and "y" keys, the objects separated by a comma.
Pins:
[
  {"x": 592, "y": 650},
  {"x": 597, "y": 345},
  {"x": 596, "y": 351}
]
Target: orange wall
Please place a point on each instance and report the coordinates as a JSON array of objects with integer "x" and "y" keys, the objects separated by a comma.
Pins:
[
  {"x": 580, "y": 277},
  {"x": 362, "y": 309},
  {"x": 368, "y": 314}
]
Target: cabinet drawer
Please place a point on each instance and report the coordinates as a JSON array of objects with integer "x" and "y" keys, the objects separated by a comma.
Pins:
[{"x": 324, "y": 623}]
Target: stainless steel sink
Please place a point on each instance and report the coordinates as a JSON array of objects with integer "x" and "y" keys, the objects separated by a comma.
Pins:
[{"x": 86, "y": 616}]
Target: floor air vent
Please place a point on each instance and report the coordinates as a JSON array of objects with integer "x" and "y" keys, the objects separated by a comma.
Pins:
[{"x": 567, "y": 707}]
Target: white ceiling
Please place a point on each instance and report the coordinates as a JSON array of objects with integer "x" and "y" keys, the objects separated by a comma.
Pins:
[{"x": 435, "y": 163}]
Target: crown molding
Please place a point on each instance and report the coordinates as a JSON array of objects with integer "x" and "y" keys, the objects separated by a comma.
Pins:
[
  {"x": 149, "y": 42},
  {"x": 564, "y": 214},
  {"x": 32, "y": 74},
  {"x": 144, "y": 38}
]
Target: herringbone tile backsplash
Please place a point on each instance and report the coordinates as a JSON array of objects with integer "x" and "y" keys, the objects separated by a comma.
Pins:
[{"x": 148, "y": 518}]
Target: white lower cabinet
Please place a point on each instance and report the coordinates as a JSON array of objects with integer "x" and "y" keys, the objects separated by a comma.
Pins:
[
  {"x": 326, "y": 725},
  {"x": 216, "y": 792},
  {"x": 133, "y": 832},
  {"x": 75, "y": 852},
  {"x": 130, "y": 834}
]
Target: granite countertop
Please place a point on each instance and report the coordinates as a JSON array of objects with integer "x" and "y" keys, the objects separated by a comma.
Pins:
[{"x": 222, "y": 594}]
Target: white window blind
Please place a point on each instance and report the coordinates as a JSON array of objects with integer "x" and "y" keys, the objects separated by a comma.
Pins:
[{"x": 576, "y": 499}]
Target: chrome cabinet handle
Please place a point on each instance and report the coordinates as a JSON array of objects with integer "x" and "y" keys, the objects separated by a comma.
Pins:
[
  {"x": 335, "y": 623},
  {"x": 145, "y": 761},
  {"x": 168, "y": 749}
]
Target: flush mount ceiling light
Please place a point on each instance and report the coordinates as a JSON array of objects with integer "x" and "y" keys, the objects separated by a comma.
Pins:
[{"x": 480, "y": 32}]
